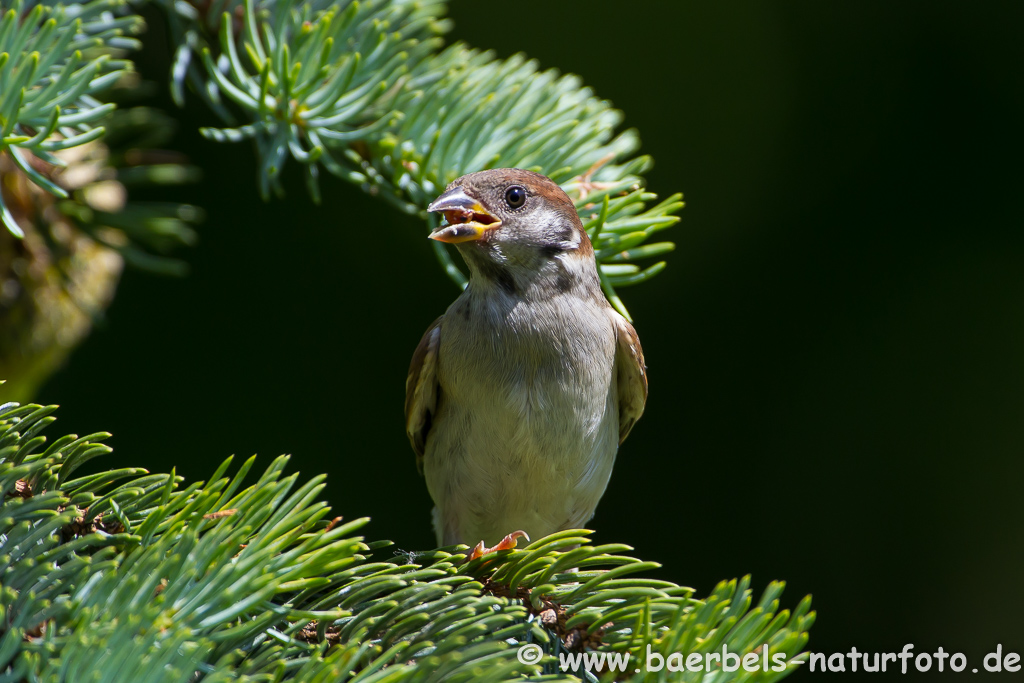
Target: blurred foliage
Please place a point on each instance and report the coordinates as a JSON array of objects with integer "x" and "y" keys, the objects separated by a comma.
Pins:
[
  {"x": 68, "y": 159},
  {"x": 58, "y": 278},
  {"x": 53, "y": 63},
  {"x": 125, "y": 575}
]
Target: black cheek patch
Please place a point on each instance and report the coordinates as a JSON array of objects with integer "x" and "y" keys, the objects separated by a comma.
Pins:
[
  {"x": 565, "y": 281},
  {"x": 499, "y": 275},
  {"x": 507, "y": 281},
  {"x": 559, "y": 242}
]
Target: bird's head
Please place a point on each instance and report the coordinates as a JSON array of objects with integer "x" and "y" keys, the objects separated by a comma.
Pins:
[{"x": 511, "y": 218}]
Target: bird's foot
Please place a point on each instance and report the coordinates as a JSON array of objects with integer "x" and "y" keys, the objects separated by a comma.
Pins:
[{"x": 507, "y": 543}]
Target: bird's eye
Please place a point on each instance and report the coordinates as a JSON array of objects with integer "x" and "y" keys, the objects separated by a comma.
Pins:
[{"x": 515, "y": 197}]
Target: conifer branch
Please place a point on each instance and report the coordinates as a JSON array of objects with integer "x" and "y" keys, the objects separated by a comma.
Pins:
[
  {"x": 54, "y": 61},
  {"x": 127, "y": 575},
  {"x": 363, "y": 91}
]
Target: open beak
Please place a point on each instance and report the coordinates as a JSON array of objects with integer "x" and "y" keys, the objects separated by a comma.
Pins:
[{"x": 467, "y": 219}]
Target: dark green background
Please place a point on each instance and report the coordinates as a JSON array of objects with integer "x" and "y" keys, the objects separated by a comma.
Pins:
[{"x": 836, "y": 350}]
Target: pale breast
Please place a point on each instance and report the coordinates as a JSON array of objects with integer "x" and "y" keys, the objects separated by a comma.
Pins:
[{"x": 529, "y": 419}]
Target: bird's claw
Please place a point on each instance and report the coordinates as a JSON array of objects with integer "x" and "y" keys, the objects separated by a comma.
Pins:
[{"x": 507, "y": 543}]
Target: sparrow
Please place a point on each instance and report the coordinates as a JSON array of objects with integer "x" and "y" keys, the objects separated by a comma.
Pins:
[{"x": 519, "y": 396}]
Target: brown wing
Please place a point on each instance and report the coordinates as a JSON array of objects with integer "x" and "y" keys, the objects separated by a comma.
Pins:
[
  {"x": 421, "y": 390},
  {"x": 631, "y": 375}
]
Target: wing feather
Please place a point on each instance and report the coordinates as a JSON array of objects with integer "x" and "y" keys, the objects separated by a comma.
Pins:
[
  {"x": 421, "y": 390},
  {"x": 631, "y": 375}
]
